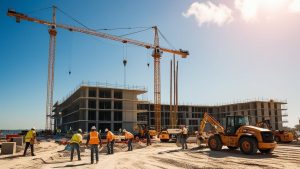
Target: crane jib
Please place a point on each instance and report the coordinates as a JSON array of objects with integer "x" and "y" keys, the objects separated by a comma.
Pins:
[{"x": 19, "y": 16}]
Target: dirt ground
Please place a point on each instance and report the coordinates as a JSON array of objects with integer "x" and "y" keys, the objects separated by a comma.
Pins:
[{"x": 158, "y": 155}]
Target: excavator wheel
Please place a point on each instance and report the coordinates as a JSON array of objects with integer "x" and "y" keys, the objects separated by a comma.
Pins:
[
  {"x": 267, "y": 151},
  {"x": 214, "y": 143},
  {"x": 248, "y": 145},
  {"x": 277, "y": 139},
  {"x": 232, "y": 148}
]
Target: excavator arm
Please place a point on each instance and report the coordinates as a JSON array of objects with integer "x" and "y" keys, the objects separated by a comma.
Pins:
[
  {"x": 208, "y": 118},
  {"x": 263, "y": 124}
]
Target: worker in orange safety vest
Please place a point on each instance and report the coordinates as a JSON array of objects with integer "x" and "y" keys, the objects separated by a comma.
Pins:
[
  {"x": 110, "y": 137},
  {"x": 94, "y": 139},
  {"x": 129, "y": 137}
]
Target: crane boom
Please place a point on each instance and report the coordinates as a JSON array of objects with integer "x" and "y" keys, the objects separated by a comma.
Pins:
[
  {"x": 157, "y": 50},
  {"x": 19, "y": 16}
]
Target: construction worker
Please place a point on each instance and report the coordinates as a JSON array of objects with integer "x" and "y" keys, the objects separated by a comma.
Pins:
[
  {"x": 75, "y": 142},
  {"x": 110, "y": 137},
  {"x": 184, "y": 136},
  {"x": 129, "y": 137},
  {"x": 148, "y": 137},
  {"x": 29, "y": 141},
  {"x": 94, "y": 139}
]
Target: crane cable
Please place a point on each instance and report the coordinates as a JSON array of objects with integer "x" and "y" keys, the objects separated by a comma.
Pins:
[
  {"x": 76, "y": 20},
  {"x": 135, "y": 32},
  {"x": 168, "y": 42},
  {"x": 111, "y": 29}
]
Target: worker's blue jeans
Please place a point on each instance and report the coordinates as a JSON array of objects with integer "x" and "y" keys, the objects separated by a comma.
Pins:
[
  {"x": 129, "y": 143},
  {"x": 75, "y": 146},
  {"x": 183, "y": 141},
  {"x": 110, "y": 147},
  {"x": 94, "y": 150},
  {"x": 148, "y": 140}
]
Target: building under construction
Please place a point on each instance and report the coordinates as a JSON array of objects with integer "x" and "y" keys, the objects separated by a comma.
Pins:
[
  {"x": 191, "y": 115},
  {"x": 100, "y": 105},
  {"x": 115, "y": 107}
]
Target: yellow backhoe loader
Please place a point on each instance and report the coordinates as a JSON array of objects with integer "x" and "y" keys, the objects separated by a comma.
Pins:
[{"x": 237, "y": 134}]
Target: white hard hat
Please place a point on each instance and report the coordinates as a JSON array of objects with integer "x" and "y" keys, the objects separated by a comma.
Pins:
[
  {"x": 33, "y": 128},
  {"x": 93, "y": 128},
  {"x": 124, "y": 130},
  {"x": 106, "y": 130},
  {"x": 79, "y": 130}
]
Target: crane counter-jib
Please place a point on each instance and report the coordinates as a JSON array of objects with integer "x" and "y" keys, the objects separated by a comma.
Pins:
[{"x": 20, "y": 16}]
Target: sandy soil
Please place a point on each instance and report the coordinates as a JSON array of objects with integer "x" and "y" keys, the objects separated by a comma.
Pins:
[{"x": 158, "y": 155}]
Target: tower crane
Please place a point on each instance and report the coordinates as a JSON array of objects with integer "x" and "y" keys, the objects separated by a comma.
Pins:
[{"x": 157, "y": 53}]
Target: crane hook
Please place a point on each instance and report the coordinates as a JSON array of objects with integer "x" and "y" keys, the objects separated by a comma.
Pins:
[{"x": 124, "y": 62}]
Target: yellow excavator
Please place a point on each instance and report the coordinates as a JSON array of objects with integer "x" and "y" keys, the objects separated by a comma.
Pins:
[
  {"x": 140, "y": 131},
  {"x": 237, "y": 134},
  {"x": 279, "y": 135}
]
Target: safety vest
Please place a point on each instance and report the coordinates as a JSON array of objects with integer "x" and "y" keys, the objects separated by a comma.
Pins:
[
  {"x": 128, "y": 135},
  {"x": 76, "y": 138},
  {"x": 30, "y": 136},
  {"x": 94, "y": 137},
  {"x": 110, "y": 136}
]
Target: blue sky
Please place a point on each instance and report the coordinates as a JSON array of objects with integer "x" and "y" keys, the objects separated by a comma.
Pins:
[{"x": 234, "y": 57}]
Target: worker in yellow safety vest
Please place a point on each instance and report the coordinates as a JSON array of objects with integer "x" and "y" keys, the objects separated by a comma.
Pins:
[
  {"x": 94, "y": 139},
  {"x": 110, "y": 137},
  {"x": 29, "y": 141},
  {"x": 75, "y": 142},
  {"x": 129, "y": 137}
]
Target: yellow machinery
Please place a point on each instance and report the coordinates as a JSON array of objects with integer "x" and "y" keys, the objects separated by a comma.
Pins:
[
  {"x": 141, "y": 129},
  {"x": 279, "y": 135},
  {"x": 238, "y": 134},
  {"x": 169, "y": 134},
  {"x": 164, "y": 136}
]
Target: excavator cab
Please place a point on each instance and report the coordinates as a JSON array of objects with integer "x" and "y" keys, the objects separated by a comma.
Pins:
[{"x": 235, "y": 122}]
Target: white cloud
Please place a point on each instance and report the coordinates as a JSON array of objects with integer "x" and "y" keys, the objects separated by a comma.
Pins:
[
  {"x": 294, "y": 6},
  {"x": 249, "y": 8},
  {"x": 209, "y": 13}
]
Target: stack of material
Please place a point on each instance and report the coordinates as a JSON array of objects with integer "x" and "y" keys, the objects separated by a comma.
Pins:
[
  {"x": 18, "y": 140},
  {"x": 8, "y": 148}
]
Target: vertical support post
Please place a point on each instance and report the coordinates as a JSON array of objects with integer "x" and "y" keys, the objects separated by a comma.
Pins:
[
  {"x": 50, "y": 81},
  {"x": 171, "y": 84},
  {"x": 176, "y": 104},
  {"x": 157, "y": 104},
  {"x": 175, "y": 111}
]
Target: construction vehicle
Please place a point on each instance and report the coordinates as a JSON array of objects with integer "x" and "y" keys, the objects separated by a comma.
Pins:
[
  {"x": 141, "y": 129},
  {"x": 157, "y": 54},
  {"x": 167, "y": 135},
  {"x": 279, "y": 135},
  {"x": 164, "y": 136},
  {"x": 238, "y": 134}
]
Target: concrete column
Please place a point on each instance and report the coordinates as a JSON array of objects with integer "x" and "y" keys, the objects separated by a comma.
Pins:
[
  {"x": 97, "y": 108},
  {"x": 112, "y": 110}
]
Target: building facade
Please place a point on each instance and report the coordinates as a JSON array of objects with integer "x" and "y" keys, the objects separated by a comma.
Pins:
[
  {"x": 100, "y": 105},
  {"x": 114, "y": 107},
  {"x": 191, "y": 115}
]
